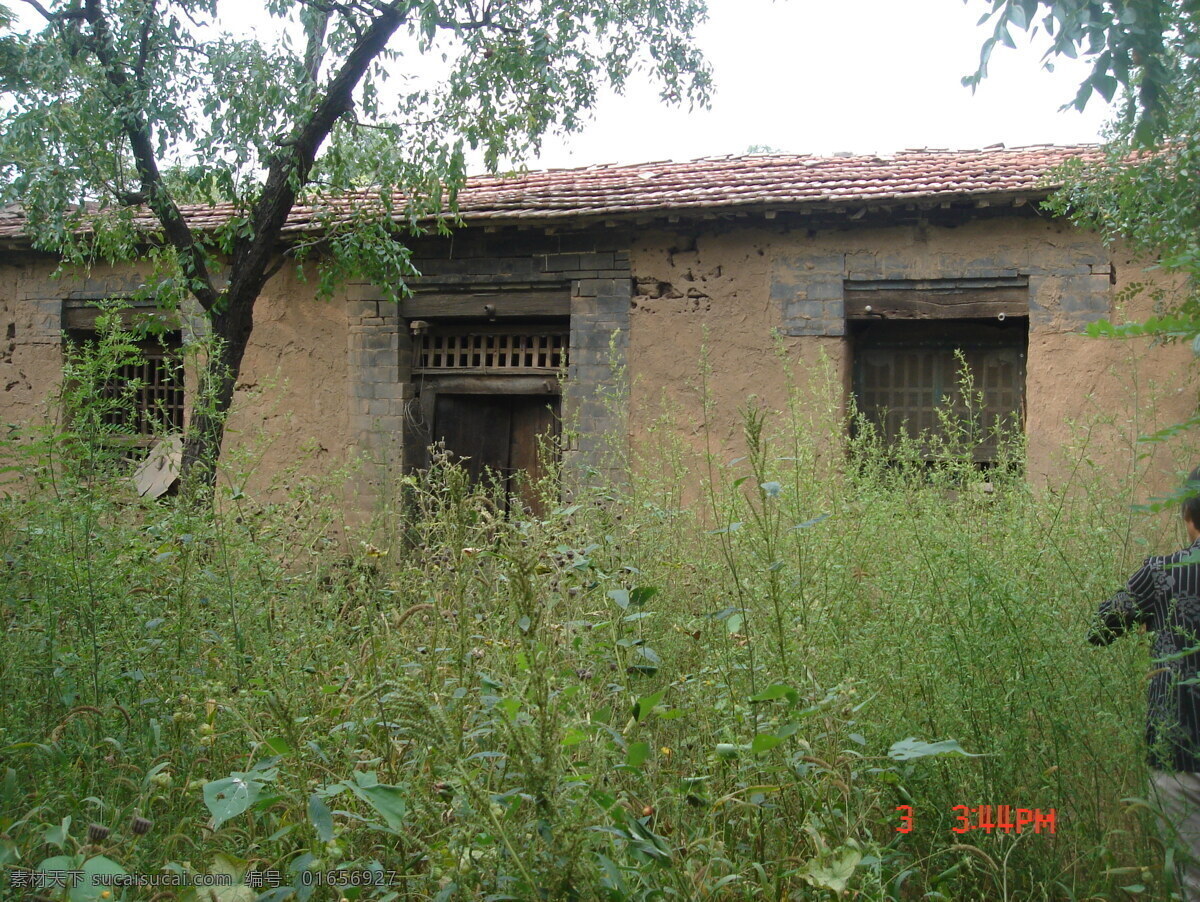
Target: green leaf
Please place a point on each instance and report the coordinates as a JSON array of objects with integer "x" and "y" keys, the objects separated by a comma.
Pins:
[
  {"x": 637, "y": 754},
  {"x": 57, "y": 836},
  {"x": 278, "y": 745},
  {"x": 321, "y": 817},
  {"x": 777, "y": 691},
  {"x": 647, "y": 703},
  {"x": 809, "y": 523},
  {"x": 912, "y": 748},
  {"x": 234, "y": 794},
  {"x": 620, "y": 597},
  {"x": 572, "y": 737},
  {"x": 833, "y": 875},
  {"x": 764, "y": 742},
  {"x": 227, "y": 798},
  {"x": 232, "y": 871},
  {"x": 732, "y": 527},
  {"x": 388, "y": 801},
  {"x": 642, "y": 594}
]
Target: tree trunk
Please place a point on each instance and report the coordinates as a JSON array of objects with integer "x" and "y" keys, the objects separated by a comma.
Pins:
[{"x": 206, "y": 427}]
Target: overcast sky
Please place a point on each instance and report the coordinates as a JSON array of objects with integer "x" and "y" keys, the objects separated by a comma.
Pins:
[{"x": 813, "y": 76}]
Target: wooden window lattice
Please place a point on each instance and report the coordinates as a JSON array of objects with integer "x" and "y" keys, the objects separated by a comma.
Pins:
[
  {"x": 506, "y": 352},
  {"x": 903, "y": 390},
  {"x": 157, "y": 402}
]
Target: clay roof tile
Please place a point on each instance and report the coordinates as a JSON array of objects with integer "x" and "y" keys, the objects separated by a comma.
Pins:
[{"x": 730, "y": 182}]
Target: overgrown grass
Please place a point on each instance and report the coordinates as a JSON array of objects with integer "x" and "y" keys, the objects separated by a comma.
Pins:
[{"x": 624, "y": 699}]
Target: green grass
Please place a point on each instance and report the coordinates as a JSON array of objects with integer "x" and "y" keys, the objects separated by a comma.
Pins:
[{"x": 628, "y": 698}]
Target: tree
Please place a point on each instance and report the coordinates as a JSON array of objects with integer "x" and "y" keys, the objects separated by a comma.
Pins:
[
  {"x": 1146, "y": 187},
  {"x": 120, "y": 111}
]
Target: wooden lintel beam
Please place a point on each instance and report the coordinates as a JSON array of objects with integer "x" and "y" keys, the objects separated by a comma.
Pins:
[{"x": 960, "y": 303}]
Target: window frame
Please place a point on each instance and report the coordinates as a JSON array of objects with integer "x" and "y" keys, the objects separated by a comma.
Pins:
[{"x": 1004, "y": 340}]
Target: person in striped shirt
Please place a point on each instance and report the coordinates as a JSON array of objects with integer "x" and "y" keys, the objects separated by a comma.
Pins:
[{"x": 1164, "y": 596}]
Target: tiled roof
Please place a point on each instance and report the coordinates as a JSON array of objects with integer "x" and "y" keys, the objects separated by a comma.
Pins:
[{"x": 767, "y": 182}]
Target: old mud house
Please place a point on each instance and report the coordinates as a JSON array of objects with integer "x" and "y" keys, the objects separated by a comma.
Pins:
[{"x": 882, "y": 265}]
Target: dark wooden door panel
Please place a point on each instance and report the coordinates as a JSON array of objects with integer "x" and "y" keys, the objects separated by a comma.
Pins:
[
  {"x": 498, "y": 435},
  {"x": 535, "y": 420},
  {"x": 475, "y": 429}
]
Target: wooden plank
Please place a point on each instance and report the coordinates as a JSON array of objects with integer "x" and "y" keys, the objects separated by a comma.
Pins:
[
  {"x": 487, "y": 304},
  {"x": 494, "y": 385},
  {"x": 475, "y": 429},
  {"x": 953, "y": 303},
  {"x": 535, "y": 422},
  {"x": 83, "y": 318}
]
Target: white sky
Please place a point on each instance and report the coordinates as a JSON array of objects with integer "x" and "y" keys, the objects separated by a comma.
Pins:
[{"x": 813, "y": 76}]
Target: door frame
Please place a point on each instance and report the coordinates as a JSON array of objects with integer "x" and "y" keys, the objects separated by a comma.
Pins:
[{"x": 431, "y": 386}]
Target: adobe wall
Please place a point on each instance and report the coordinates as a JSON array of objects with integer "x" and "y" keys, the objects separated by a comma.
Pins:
[
  {"x": 731, "y": 293},
  {"x": 31, "y": 348},
  {"x": 761, "y": 302},
  {"x": 291, "y": 406}
]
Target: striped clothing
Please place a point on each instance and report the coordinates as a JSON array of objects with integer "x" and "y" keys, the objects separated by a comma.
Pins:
[{"x": 1164, "y": 595}]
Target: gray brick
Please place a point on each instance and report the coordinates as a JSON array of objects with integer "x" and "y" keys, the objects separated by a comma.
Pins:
[
  {"x": 383, "y": 358},
  {"x": 806, "y": 310},
  {"x": 824, "y": 291},
  {"x": 562, "y": 262},
  {"x": 593, "y": 340},
  {"x": 1086, "y": 294},
  {"x": 786, "y": 292},
  {"x": 397, "y": 391},
  {"x": 596, "y": 261},
  {"x": 1060, "y": 269},
  {"x": 584, "y": 307},
  {"x": 612, "y": 288},
  {"x": 814, "y": 327}
]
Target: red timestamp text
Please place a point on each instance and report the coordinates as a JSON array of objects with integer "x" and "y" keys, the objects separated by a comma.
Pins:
[{"x": 989, "y": 819}]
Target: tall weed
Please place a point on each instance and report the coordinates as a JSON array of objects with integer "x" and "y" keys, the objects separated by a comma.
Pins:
[{"x": 629, "y": 697}]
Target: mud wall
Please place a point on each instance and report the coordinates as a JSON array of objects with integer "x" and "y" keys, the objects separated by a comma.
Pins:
[
  {"x": 748, "y": 304},
  {"x": 290, "y": 409},
  {"x": 721, "y": 317}
]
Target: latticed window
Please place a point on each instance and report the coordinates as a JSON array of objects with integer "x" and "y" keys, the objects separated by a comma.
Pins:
[
  {"x": 909, "y": 380},
  {"x": 500, "y": 351},
  {"x": 158, "y": 388},
  {"x": 151, "y": 385}
]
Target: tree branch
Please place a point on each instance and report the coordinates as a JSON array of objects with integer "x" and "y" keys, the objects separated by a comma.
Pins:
[
  {"x": 314, "y": 53},
  {"x": 139, "y": 70},
  {"x": 289, "y": 169},
  {"x": 138, "y": 133},
  {"x": 63, "y": 16}
]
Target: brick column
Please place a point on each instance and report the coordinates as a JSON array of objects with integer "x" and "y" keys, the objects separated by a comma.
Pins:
[
  {"x": 378, "y": 353},
  {"x": 596, "y": 396},
  {"x": 809, "y": 292}
]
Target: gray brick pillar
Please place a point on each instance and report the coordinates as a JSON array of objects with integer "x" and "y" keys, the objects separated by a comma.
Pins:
[
  {"x": 378, "y": 352},
  {"x": 809, "y": 292},
  {"x": 596, "y": 396}
]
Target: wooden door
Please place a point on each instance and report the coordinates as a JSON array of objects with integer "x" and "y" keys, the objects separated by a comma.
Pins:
[{"x": 496, "y": 436}]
